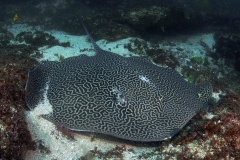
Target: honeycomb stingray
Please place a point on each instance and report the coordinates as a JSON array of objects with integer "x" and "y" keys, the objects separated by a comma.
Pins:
[{"x": 130, "y": 98}]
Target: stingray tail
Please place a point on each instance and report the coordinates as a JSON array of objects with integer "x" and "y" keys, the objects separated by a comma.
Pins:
[{"x": 96, "y": 47}]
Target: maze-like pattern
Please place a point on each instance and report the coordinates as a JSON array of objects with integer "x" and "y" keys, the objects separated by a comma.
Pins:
[{"x": 125, "y": 97}]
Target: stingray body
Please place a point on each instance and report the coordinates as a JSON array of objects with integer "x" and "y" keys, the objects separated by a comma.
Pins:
[{"x": 130, "y": 98}]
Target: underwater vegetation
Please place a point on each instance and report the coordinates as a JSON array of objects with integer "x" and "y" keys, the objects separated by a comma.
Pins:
[
  {"x": 227, "y": 48},
  {"x": 198, "y": 60},
  {"x": 153, "y": 53},
  {"x": 219, "y": 135},
  {"x": 116, "y": 152},
  {"x": 59, "y": 56},
  {"x": 15, "y": 61},
  {"x": 39, "y": 39},
  {"x": 15, "y": 139}
]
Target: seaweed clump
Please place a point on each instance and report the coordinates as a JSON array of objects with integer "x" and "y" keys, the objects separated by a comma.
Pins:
[
  {"x": 158, "y": 56},
  {"x": 15, "y": 62},
  {"x": 163, "y": 58},
  {"x": 198, "y": 60},
  {"x": 15, "y": 139},
  {"x": 227, "y": 48},
  {"x": 116, "y": 152},
  {"x": 218, "y": 136},
  {"x": 39, "y": 39}
]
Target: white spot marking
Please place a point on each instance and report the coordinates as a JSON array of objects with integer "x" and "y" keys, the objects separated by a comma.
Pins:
[
  {"x": 121, "y": 98},
  {"x": 144, "y": 79}
]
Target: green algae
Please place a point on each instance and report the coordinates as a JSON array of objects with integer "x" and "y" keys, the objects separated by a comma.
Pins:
[{"x": 198, "y": 60}]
